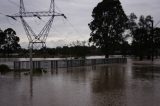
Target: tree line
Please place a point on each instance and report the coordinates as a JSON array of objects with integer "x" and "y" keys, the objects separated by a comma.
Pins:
[
  {"x": 77, "y": 49},
  {"x": 112, "y": 29},
  {"x": 112, "y": 33},
  {"x": 10, "y": 47}
]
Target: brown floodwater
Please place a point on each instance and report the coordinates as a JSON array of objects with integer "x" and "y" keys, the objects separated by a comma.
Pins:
[{"x": 131, "y": 84}]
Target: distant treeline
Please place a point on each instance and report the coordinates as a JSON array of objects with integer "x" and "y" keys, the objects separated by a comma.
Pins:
[
  {"x": 65, "y": 51},
  {"x": 10, "y": 47},
  {"x": 73, "y": 51}
]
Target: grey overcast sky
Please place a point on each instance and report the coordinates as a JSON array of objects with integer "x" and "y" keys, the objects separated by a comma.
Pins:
[{"x": 78, "y": 13}]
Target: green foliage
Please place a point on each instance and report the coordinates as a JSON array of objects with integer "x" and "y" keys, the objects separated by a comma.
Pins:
[{"x": 108, "y": 26}]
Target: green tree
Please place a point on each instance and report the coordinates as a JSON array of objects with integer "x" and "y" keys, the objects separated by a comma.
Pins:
[
  {"x": 11, "y": 41},
  {"x": 108, "y": 26},
  {"x": 141, "y": 33},
  {"x": 2, "y": 39},
  {"x": 156, "y": 41}
]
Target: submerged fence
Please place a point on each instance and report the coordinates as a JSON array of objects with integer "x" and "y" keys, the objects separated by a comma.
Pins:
[{"x": 53, "y": 64}]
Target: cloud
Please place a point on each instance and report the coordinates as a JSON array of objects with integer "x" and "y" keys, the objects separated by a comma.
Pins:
[{"x": 56, "y": 43}]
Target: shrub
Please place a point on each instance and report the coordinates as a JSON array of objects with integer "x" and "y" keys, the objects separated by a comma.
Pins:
[{"x": 4, "y": 68}]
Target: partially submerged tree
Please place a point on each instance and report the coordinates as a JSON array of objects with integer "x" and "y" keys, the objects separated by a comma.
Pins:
[{"x": 108, "y": 26}]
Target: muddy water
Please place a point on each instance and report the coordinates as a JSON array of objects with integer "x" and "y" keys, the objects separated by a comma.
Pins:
[{"x": 131, "y": 84}]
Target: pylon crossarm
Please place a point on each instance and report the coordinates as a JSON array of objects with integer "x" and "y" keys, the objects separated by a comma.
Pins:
[
  {"x": 36, "y": 14},
  {"x": 42, "y": 36}
]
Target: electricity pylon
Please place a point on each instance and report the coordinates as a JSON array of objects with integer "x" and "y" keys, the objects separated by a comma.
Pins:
[{"x": 42, "y": 36}]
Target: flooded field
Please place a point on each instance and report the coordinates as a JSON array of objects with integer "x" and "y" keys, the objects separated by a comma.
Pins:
[{"x": 131, "y": 84}]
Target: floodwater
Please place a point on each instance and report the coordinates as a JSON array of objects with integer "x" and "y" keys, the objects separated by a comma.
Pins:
[{"x": 131, "y": 84}]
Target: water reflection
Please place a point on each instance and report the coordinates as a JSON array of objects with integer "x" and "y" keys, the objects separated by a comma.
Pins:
[
  {"x": 108, "y": 86},
  {"x": 109, "y": 78},
  {"x": 102, "y": 85},
  {"x": 31, "y": 85},
  {"x": 146, "y": 72},
  {"x": 3, "y": 73},
  {"x": 17, "y": 75}
]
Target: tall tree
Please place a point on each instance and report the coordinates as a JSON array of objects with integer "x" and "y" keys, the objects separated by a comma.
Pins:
[
  {"x": 156, "y": 41},
  {"x": 142, "y": 34},
  {"x": 108, "y": 26},
  {"x": 2, "y": 39},
  {"x": 11, "y": 41}
]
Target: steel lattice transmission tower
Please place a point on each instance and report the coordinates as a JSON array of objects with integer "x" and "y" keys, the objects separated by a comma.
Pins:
[{"x": 42, "y": 36}]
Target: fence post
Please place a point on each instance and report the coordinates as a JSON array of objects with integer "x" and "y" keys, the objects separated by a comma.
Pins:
[{"x": 56, "y": 64}]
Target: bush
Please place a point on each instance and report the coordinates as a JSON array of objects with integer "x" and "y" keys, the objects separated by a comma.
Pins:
[{"x": 4, "y": 68}]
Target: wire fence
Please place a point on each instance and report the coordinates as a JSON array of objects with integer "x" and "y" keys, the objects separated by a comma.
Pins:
[{"x": 54, "y": 64}]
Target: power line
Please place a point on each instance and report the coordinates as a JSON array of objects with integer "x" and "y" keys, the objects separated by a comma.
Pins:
[
  {"x": 74, "y": 28},
  {"x": 57, "y": 8},
  {"x": 2, "y": 14},
  {"x": 9, "y": 21},
  {"x": 157, "y": 23},
  {"x": 32, "y": 36}
]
